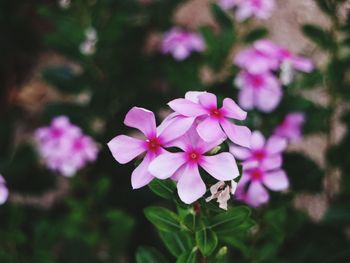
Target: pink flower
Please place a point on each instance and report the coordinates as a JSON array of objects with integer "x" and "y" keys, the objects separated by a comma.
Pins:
[
  {"x": 260, "y": 90},
  {"x": 181, "y": 43},
  {"x": 125, "y": 148},
  {"x": 213, "y": 122},
  {"x": 183, "y": 166},
  {"x": 267, "y": 153},
  {"x": 265, "y": 56},
  {"x": 252, "y": 186},
  {"x": 290, "y": 127},
  {"x": 63, "y": 146},
  {"x": 261, "y": 9},
  {"x": 3, "y": 191}
]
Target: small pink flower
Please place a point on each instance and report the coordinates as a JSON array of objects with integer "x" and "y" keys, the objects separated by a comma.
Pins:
[
  {"x": 4, "y": 193},
  {"x": 125, "y": 148},
  {"x": 267, "y": 153},
  {"x": 265, "y": 56},
  {"x": 252, "y": 186},
  {"x": 261, "y": 9},
  {"x": 181, "y": 43},
  {"x": 261, "y": 91},
  {"x": 183, "y": 166},
  {"x": 213, "y": 122},
  {"x": 290, "y": 127},
  {"x": 64, "y": 148}
]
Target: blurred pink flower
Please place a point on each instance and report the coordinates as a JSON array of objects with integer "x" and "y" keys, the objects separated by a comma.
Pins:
[
  {"x": 181, "y": 43},
  {"x": 252, "y": 186},
  {"x": 64, "y": 148},
  {"x": 267, "y": 153},
  {"x": 261, "y": 9},
  {"x": 183, "y": 166},
  {"x": 213, "y": 122},
  {"x": 290, "y": 127},
  {"x": 3, "y": 191},
  {"x": 260, "y": 90},
  {"x": 125, "y": 148}
]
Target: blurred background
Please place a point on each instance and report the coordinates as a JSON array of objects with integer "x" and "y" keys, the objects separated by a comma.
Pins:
[{"x": 50, "y": 67}]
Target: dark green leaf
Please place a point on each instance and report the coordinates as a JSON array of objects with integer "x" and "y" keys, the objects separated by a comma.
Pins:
[
  {"x": 149, "y": 255},
  {"x": 188, "y": 257},
  {"x": 256, "y": 34},
  {"x": 176, "y": 242},
  {"x": 162, "y": 218},
  {"x": 318, "y": 35},
  {"x": 207, "y": 241},
  {"x": 163, "y": 188},
  {"x": 229, "y": 222}
]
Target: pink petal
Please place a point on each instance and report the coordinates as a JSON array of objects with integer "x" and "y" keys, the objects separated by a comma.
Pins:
[
  {"x": 222, "y": 166},
  {"x": 180, "y": 52},
  {"x": 125, "y": 148},
  {"x": 240, "y": 153},
  {"x": 246, "y": 98},
  {"x": 208, "y": 100},
  {"x": 302, "y": 64},
  {"x": 268, "y": 97},
  {"x": 175, "y": 128},
  {"x": 257, "y": 194},
  {"x": 187, "y": 108},
  {"x": 232, "y": 110},
  {"x": 257, "y": 140},
  {"x": 190, "y": 186},
  {"x": 140, "y": 176},
  {"x": 273, "y": 162},
  {"x": 4, "y": 193},
  {"x": 238, "y": 134},
  {"x": 142, "y": 120},
  {"x": 276, "y": 144},
  {"x": 194, "y": 95},
  {"x": 165, "y": 165},
  {"x": 209, "y": 130},
  {"x": 276, "y": 181}
]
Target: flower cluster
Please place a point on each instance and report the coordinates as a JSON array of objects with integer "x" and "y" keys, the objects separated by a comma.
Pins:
[
  {"x": 64, "y": 148},
  {"x": 261, "y": 168},
  {"x": 257, "y": 81},
  {"x": 3, "y": 191},
  {"x": 261, "y": 9},
  {"x": 196, "y": 126},
  {"x": 181, "y": 43}
]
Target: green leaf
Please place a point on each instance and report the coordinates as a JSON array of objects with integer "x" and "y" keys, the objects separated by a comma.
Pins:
[
  {"x": 321, "y": 37},
  {"x": 163, "y": 188},
  {"x": 162, "y": 218},
  {"x": 207, "y": 241},
  {"x": 193, "y": 222},
  {"x": 229, "y": 222},
  {"x": 221, "y": 17},
  {"x": 327, "y": 7},
  {"x": 188, "y": 257},
  {"x": 256, "y": 34},
  {"x": 149, "y": 255},
  {"x": 176, "y": 242}
]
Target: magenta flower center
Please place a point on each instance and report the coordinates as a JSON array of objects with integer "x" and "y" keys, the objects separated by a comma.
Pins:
[
  {"x": 257, "y": 81},
  {"x": 194, "y": 156},
  {"x": 259, "y": 155},
  {"x": 153, "y": 144},
  {"x": 256, "y": 175},
  {"x": 78, "y": 145},
  {"x": 215, "y": 113},
  {"x": 56, "y": 133}
]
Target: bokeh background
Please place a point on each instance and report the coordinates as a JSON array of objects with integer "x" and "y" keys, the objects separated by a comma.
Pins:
[{"x": 95, "y": 216}]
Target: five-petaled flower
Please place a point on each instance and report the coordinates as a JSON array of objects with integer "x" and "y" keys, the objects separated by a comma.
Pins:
[
  {"x": 63, "y": 147},
  {"x": 183, "y": 166},
  {"x": 181, "y": 43},
  {"x": 213, "y": 122},
  {"x": 125, "y": 148}
]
